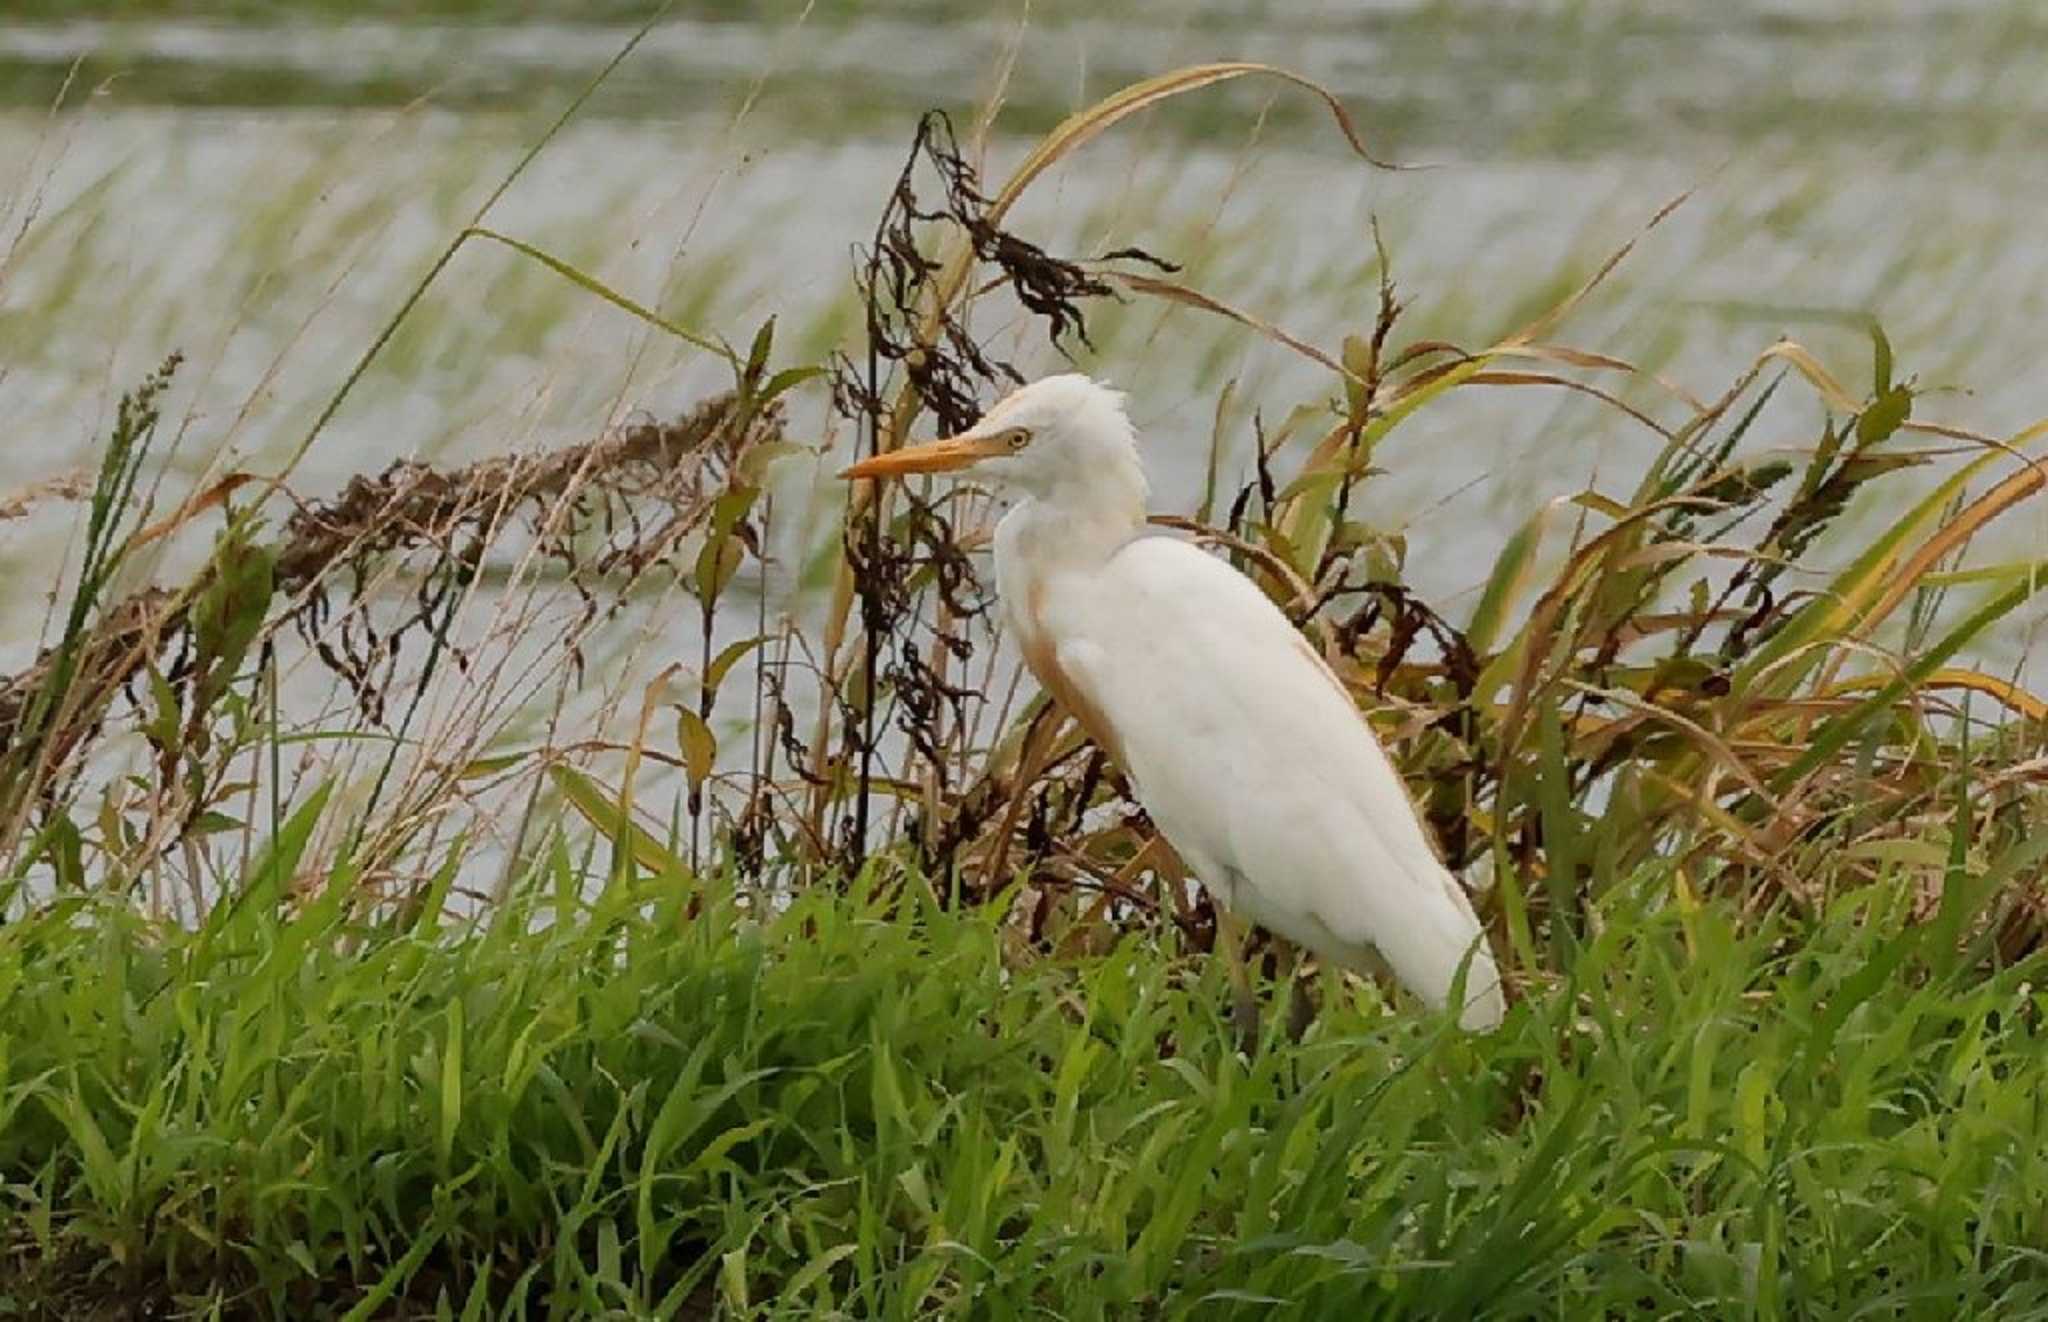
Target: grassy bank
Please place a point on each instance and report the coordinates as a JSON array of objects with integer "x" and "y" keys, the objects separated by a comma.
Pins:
[{"x": 660, "y": 1102}]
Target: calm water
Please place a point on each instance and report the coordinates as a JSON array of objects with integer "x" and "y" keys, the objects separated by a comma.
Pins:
[{"x": 263, "y": 197}]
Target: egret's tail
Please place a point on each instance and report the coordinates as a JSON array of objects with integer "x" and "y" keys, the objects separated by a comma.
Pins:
[
  {"x": 1439, "y": 941},
  {"x": 1485, "y": 1004}
]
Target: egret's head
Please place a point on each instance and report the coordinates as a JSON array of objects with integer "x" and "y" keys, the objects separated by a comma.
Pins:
[{"x": 1061, "y": 438}]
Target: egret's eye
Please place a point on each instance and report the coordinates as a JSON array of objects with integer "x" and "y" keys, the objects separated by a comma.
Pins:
[{"x": 1016, "y": 438}]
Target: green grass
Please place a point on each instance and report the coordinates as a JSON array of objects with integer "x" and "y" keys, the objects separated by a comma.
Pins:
[{"x": 657, "y": 1102}]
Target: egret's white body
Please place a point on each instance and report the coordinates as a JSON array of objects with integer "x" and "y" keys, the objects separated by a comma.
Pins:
[{"x": 1237, "y": 738}]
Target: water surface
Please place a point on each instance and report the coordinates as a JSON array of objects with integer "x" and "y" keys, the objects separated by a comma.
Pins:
[{"x": 262, "y": 196}]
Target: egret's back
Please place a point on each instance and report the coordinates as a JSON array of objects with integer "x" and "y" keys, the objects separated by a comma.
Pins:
[{"x": 1258, "y": 767}]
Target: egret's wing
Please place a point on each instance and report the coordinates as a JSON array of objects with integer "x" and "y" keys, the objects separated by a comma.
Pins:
[{"x": 1258, "y": 767}]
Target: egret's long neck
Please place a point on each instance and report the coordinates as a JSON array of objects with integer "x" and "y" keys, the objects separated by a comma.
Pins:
[{"x": 1077, "y": 525}]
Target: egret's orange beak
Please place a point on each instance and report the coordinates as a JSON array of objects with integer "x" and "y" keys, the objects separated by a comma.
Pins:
[{"x": 931, "y": 457}]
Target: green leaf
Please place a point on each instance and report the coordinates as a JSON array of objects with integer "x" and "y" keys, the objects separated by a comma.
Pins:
[
  {"x": 1835, "y": 610},
  {"x": 757, "y": 353},
  {"x": 491, "y": 766},
  {"x": 229, "y": 613},
  {"x": 275, "y": 866},
  {"x": 717, "y": 563},
  {"x": 1357, "y": 360},
  {"x": 601, "y": 809},
  {"x": 1833, "y": 734},
  {"x": 699, "y": 746},
  {"x": 714, "y": 675},
  {"x": 722, "y": 553},
  {"x": 754, "y": 464},
  {"x": 451, "y": 1085},
  {"x": 1885, "y": 415},
  {"x": 786, "y": 379},
  {"x": 811, "y": 1272},
  {"x": 401, "y": 1271},
  {"x": 66, "y": 852},
  {"x": 605, "y": 292},
  {"x": 166, "y": 715},
  {"x": 1510, "y": 577}
]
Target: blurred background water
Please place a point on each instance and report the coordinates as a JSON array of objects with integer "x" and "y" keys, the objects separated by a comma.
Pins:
[{"x": 260, "y": 185}]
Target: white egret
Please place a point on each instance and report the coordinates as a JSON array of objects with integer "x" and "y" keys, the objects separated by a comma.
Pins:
[{"x": 1237, "y": 737}]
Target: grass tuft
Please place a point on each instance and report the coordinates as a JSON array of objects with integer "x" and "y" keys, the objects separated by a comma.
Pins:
[{"x": 660, "y": 1098}]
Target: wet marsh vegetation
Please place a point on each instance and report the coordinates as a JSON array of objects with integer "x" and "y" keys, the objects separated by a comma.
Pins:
[{"x": 615, "y": 874}]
